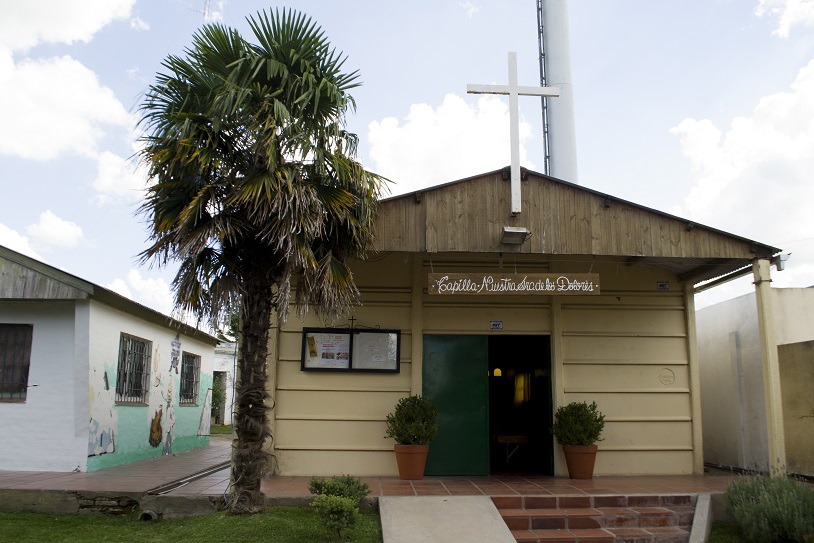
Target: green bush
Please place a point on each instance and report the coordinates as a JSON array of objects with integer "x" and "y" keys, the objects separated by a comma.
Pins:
[
  {"x": 345, "y": 486},
  {"x": 578, "y": 424},
  {"x": 413, "y": 422},
  {"x": 772, "y": 509},
  {"x": 336, "y": 513}
]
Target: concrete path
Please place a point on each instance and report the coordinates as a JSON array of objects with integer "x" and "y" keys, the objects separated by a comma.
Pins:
[{"x": 442, "y": 519}]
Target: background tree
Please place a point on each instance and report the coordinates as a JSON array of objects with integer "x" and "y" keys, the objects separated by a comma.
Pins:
[{"x": 255, "y": 188}]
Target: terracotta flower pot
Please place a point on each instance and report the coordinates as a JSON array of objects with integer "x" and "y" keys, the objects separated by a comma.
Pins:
[
  {"x": 580, "y": 460},
  {"x": 411, "y": 460}
]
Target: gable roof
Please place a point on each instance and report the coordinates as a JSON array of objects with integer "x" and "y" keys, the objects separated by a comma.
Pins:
[
  {"x": 564, "y": 219},
  {"x": 24, "y": 278}
]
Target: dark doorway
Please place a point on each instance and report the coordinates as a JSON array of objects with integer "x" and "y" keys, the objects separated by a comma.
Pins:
[{"x": 520, "y": 406}]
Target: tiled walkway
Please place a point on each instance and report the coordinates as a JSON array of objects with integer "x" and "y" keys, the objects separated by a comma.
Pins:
[
  {"x": 513, "y": 486},
  {"x": 140, "y": 477}
]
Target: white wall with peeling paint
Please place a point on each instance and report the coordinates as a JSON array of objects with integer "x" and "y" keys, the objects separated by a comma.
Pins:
[
  {"x": 175, "y": 427},
  {"x": 69, "y": 419}
]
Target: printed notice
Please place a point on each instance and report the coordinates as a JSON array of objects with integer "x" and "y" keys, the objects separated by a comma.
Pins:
[
  {"x": 375, "y": 351},
  {"x": 327, "y": 350}
]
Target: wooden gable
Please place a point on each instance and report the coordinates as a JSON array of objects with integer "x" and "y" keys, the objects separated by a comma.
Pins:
[{"x": 563, "y": 219}]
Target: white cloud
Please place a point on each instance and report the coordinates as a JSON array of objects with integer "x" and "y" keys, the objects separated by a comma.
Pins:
[
  {"x": 54, "y": 106},
  {"x": 451, "y": 142},
  {"x": 214, "y": 13},
  {"x": 25, "y": 24},
  {"x": 119, "y": 286},
  {"x": 118, "y": 178},
  {"x": 789, "y": 13},
  {"x": 471, "y": 9},
  {"x": 153, "y": 292},
  {"x": 137, "y": 23},
  {"x": 11, "y": 239},
  {"x": 52, "y": 231},
  {"x": 755, "y": 178}
]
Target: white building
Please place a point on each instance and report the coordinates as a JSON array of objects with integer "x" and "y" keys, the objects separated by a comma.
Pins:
[
  {"x": 225, "y": 365},
  {"x": 732, "y": 380},
  {"x": 90, "y": 379}
]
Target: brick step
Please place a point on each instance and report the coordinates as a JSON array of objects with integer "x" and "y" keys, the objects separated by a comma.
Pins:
[{"x": 618, "y": 518}]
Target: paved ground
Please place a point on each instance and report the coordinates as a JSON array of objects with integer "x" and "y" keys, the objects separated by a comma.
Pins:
[
  {"x": 194, "y": 482},
  {"x": 147, "y": 475},
  {"x": 137, "y": 477}
]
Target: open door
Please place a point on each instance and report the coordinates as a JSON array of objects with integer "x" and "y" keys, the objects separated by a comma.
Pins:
[{"x": 520, "y": 405}]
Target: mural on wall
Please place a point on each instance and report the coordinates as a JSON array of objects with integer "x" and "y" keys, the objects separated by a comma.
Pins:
[
  {"x": 155, "y": 429},
  {"x": 103, "y": 418},
  {"x": 175, "y": 356},
  {"x": 162, "y": 392},
  {"x": 206, "y": 414}
]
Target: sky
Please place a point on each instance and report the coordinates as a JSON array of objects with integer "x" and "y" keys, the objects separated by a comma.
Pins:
[{"x": 699, "y": 108}]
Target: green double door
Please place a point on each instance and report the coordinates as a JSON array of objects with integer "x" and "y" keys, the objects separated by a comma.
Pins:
[{"x": 473, "y": 381}]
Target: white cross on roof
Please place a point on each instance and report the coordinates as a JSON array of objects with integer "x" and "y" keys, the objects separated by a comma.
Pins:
[{"x": 514, "y": 90}]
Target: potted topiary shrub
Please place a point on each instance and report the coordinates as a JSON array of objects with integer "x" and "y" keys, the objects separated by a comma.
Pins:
[
  {"x": 577, "y": 427},
  {"x": 413, "y": 424}
]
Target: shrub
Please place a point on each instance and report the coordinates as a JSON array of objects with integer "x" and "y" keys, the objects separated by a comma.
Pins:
[
  {"x": 772, "y": 509},
  {"x": 336, "y": 513},
  {"x": 578, "y": 424},
  {"x": 344, "y": 486},
  {"x": 413, "y": 422}
]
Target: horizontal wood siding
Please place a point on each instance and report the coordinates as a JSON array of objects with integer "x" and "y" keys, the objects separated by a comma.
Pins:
[
  {"x": 327, "y": 423},
  {"x": 627, "y": 351}
]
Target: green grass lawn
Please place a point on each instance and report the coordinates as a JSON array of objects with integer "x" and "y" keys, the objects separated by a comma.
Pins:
[
  {"x": 220, "y": 429},
  {"x": 276, "y": 525}
]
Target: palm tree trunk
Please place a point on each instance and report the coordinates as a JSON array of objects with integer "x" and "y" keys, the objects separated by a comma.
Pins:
[{"x": 249, "y": 457}]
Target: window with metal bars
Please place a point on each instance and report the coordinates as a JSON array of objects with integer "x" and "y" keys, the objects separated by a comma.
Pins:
[
  {"x": 133, "y": 375},
  {"x": 15, "y": 358},
  {"x": 190, "y": 379}
]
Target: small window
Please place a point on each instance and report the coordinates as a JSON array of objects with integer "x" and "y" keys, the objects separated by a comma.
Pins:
[
  {"x": 133, "y": 375},
  {"x": 15, "y": 358},
  {"x": 190, "y": 379}
]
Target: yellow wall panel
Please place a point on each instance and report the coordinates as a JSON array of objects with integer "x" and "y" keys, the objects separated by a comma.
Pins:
[
  {"x": 607, "y": 378},
  {"x": 624, "y": 320},
  {"x": 350, "y": 405},
  {"x": 289, "y": 376},
  {"x": 625, "y": 349},
  {"x": 468, "y": 318},
  {"x": 640, "y": 406},
  {"x": 328, "y": 463},
  {"x": 643, "y": 463},
  {"x": 386, "y": 317},
  {"x": 331, "y": 435},
  {"x": 646, "y": 435}
]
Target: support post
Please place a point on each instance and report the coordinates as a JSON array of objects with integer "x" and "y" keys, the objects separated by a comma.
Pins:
[
  {"x": 557, "y": 377},
  {"x": 771, "y": 366},
  {"x": 695, "y": 380},
  {"x": 272, "y": 363},
  {"x": 416, "y": 324}
]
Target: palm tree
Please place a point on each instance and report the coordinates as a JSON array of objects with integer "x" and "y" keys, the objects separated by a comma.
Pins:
[{"x": 255, "y": 188}]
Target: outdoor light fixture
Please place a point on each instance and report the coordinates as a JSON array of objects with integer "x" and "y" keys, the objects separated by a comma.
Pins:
[{"x": 514, "y": 235}]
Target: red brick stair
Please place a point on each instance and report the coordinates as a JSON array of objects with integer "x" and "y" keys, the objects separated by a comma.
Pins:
[{"x": 618, "y": 518}]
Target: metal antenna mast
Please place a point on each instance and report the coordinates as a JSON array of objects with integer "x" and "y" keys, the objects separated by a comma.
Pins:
[{"x": 543, "y": 99}]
